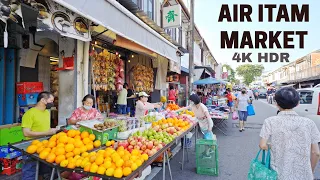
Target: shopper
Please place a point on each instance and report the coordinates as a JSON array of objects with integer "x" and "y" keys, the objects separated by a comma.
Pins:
[
  {"x": 143, "y": 105},
  {"x": 122, "y": 100},
  {"x": 241, "y": 105},
  {"x": 35, "y": 124},
  {"x": 131, "y": 97},
  {"x": 86, "y": 111},
  {"x": 172, "y": 94},
  {"x": 293, "y": 139}
]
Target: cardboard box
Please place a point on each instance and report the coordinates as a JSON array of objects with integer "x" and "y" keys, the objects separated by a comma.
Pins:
[{"x": 11, "y": 133}]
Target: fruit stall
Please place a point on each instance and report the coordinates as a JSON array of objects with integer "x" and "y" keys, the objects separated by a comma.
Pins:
[{"x": 95, "y": 150}]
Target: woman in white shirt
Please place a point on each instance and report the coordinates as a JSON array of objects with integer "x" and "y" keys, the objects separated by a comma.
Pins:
[
  {"x": 242, "y": 102},
  {"x": 142, "y": 105}
]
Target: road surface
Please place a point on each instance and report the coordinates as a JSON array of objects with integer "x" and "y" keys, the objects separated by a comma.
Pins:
[{"x": 236, "y": 150}]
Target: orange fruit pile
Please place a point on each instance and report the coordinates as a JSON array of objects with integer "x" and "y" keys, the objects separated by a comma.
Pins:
[
  {"x": 172, "y": 107},
  {"x": 64, "y": 148},
  {"x": 184, "y": 125}
]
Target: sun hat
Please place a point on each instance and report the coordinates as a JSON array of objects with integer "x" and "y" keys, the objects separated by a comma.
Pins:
[{"x": 143, "y": 94}]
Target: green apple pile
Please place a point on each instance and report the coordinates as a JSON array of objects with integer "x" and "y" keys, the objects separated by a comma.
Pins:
[{"x": 151, "y": 134}]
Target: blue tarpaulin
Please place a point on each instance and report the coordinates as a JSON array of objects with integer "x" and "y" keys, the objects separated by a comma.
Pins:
[{"x": 209, "y": 80}]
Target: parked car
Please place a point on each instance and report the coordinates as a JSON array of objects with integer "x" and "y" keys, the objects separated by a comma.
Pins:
[
  {"x": 262, "y": 93},
  {"x": 309, "y": 104}
]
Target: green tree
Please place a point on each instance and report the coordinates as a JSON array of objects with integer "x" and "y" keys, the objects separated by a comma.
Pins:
[
  {"x": 249, "y": 72},
  {"x": 231, "y": 77}
]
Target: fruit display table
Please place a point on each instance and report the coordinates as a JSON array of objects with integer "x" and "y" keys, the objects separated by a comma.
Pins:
[{"x": 57, "y": 168}]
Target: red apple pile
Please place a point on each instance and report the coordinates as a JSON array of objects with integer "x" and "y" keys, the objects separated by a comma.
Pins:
[{"x": 146, "y": 146}]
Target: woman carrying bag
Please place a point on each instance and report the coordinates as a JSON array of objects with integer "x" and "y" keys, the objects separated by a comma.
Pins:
[
  {"x": 242, "y": 103},
  {"x": 293, "y": 139}
]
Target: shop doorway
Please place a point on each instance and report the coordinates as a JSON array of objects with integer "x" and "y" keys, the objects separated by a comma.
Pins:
[{"x": 46, "y": 52}]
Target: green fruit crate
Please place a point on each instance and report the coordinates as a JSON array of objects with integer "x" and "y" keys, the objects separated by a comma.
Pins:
[
  {"x": 103, "y": 136},
  {"x": 207, "y": 164}
]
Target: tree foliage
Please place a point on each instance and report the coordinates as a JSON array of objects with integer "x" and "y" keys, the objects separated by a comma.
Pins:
[
  {"x": 249, "y": 72},
  {"x": 231, "y": 77}
]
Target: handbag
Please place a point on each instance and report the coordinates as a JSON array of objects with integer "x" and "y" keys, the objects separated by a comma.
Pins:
[
  {"x": 235, "y": 115},
  {"x": 261, "y": 170},
  {"x": 250, "y": 110}
]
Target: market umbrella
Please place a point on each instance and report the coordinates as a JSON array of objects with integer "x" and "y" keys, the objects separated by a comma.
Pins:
[{"x": 209, "y": 80}]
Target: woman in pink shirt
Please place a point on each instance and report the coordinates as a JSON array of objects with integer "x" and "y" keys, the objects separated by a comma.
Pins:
[
  {"x": 85, "y": 112},
  {"x": 142, "y": 105}
]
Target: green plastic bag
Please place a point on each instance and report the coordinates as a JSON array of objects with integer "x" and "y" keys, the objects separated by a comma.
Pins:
[{"x": 261, "y": 170}]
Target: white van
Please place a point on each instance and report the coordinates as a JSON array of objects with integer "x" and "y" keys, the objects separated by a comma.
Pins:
[{"x": 309, "y": 104}]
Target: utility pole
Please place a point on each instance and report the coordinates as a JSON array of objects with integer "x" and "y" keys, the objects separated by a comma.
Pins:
[{"x": 191, "y": 46}]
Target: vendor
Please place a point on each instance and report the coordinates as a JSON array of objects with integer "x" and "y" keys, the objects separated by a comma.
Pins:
[
  {"x": 86, "y": 111},
  {"x": 143, "y": 105},
  {"x": 36, "y": 123},
  {"x": 172, "y": 94}
]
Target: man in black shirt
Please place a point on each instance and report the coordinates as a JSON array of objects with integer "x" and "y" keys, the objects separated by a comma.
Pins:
[{"x": 131, "y": 97}]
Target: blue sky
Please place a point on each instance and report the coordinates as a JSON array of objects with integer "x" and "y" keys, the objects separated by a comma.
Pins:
[{"x": 206, "y": 19}]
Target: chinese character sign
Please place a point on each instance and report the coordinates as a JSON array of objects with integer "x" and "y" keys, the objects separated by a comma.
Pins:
[{"x": 171, "y": 16}]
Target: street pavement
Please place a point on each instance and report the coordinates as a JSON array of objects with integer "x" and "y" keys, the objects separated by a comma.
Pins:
[{"x": 236, "y": 150}]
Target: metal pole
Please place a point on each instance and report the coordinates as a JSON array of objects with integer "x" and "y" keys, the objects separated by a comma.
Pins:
[{"x": 191, "y": 46}]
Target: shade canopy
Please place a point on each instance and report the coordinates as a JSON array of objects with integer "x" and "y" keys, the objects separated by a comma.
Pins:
[{"x": 209, "y": 80}]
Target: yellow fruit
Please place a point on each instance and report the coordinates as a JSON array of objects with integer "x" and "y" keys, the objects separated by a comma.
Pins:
[
  {"x": 86, "y": 141},
  {"x": 108, "y": 143},
  {"x": 53, "y": 150},
  {"x": 145, "y": 157},
  {"x": 84, "y": 163},
  {"x": 71, "y": 133},
  {"x": 77, "y": 132},
  {"x": 133, "y": 158},
  {"x": 59, "y": 159},
  {"x": 92, "y": 137},
  {"x": 69, "y": 147},
  {"x": 71, "y": 140},
  {"x": 121, "y": 153},
  {"x": 87, "y": 167},
  {"x": 101, "y": 152},
  {"x": 126, "y": 157},
  {"x": 84, "y": 154},
  {"x": 51, "y": 158},
  {"x": 60, "y": 151},
  {"x": 83, "y": 149},
  {"x": 127, "y": 163},
  {"x": 44, "y": 142},
  {"x": 43, "y": 154},
  {"x": 52, "y": 144},
  {"x": 71, "y": 165},
  {"x": 97, "y": 143},
  {"x": 92, "y": 158},
  {"x": 89, "y": 147},
  {"x": 77, "y": 137},
  {"x": 101, "y": 170},
  {"x": 107, "y": 164},
  {"x": 107, "y": 159},
  {"x": 60, "y": 145},
  {"x": 94, "y": 168},
  {"x": 134, "y": 166},
  {"x": 110, "y": 172},
  {"x": 63, "y": 139},
  {"x": 119, "y": 163},
  {"x": 78, "y": 162},
  {"x": 135, "y": 152},
  {"x": 40, "y": 149},
  {"x": 76, "y": 157},
  {"x": 127, "y": 171},
  {"x": 31, "y": 149},
  {"x": 35, "y": 142},
  {"x": 118, "y": 173},
  {"x": 78, "y": 143},
  {"x": 113, "y": 165},
  {"x": 64, "y": 163},
  {"x": 39, "y": 144},
  {"x": 76, "y": 151},
  {"x": 112, "y": 142},
  {"x": 84, "y": 134},
  {"x": 69, "y": 154},
  {"x": 138, "y": 162},
  {"x": 99, "y": 160}
]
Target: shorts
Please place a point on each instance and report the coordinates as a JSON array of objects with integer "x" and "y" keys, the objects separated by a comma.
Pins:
[
  {"x": 122, "y": 109},
  {"x": 230, "y": 104},
  {"x": 243, "y": 115}
]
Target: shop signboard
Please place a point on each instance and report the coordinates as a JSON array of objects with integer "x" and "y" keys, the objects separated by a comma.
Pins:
[
  {"x": 53, "y": 17},
  {"x": 172, "y": 16}
]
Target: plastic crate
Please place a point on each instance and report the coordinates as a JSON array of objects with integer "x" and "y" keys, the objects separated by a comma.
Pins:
[
  {"x": 27, "y": 99},
  {"x": 207, "y": 165},
  {"x": 104, "y": 136},
  {"x": 11, "y": 133},
  {"x": 29, "y": 87}
]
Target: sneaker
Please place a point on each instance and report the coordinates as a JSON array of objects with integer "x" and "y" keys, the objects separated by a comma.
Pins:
[{"x": 240, "y": 130}]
